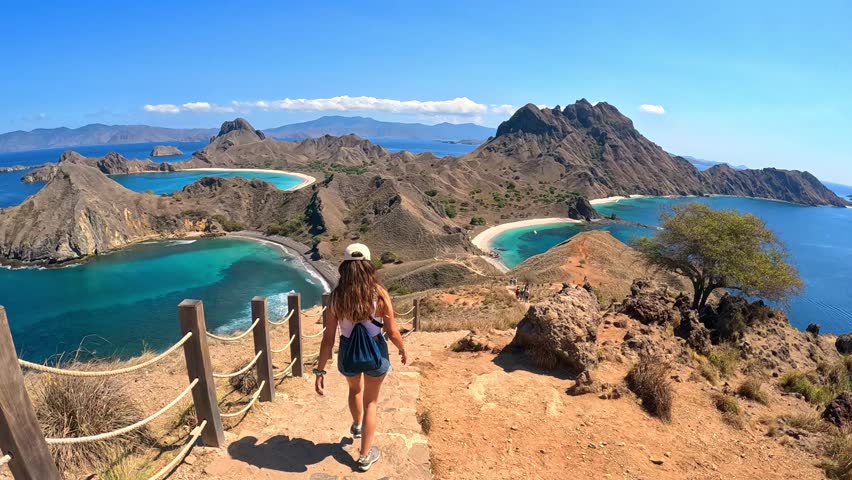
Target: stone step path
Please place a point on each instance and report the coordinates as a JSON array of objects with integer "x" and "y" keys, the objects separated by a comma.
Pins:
[{"x": 302, "y": 435}]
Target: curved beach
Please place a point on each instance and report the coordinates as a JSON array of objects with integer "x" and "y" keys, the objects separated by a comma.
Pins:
[
  {"x": 484, "y": 238},
  {"x": 306, "y": 179}
]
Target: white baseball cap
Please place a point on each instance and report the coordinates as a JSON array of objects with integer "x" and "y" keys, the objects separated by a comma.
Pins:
[{"x": 357, "y": 251}]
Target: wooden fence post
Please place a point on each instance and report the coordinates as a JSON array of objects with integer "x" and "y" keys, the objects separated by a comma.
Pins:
[
  {"x": 261, "y": 343},
  {"x": 20, "y": 434},
  {"x": 294, "y": 304},
  {"x": 416, "y": 314},
  {"x": 198, "y": 365}
]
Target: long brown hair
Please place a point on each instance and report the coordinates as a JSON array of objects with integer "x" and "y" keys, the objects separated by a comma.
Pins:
[{"x": 356, "y": 291}]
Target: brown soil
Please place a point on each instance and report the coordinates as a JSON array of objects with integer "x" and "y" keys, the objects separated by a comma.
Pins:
[{"x": 495, "y": 417}]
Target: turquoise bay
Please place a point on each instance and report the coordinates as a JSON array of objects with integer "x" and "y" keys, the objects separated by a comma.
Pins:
[
  {"x": 163, "y": 183},
  {"x": 819, "y": 240},
  {"x": 121, "y": 303}
]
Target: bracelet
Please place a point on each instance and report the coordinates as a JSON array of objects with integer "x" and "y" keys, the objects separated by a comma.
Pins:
[{"x": 319, "y": 372}]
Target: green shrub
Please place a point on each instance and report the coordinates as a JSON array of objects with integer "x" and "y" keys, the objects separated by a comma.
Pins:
[
  {"x": 725, "y": 359},
  {"x": 798, "y": 382},
  {"x": 431, "y": 193},
  {"x": 450, "y": 210},
  {"x": 477, "y": 221},
  {"x": 377, "y": 262},
  {"x": 399, "y": 290},
  {"x": 752, "y": 390},
  {"x": 838, "y": 456}
]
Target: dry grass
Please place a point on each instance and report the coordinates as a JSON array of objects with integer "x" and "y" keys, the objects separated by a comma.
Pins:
[
  {"x": 732, "y": 414},
  {"x": 424, "y": 418},
  {"x": 76, "y": 407},
  {"x": 649, "y": 380},
  {"x": 542, "y": 357},
  {"x": 500, "y": 315},
  {"x": 809, "y": 422},
  {"x": 752, "y": 389},
  {"x": 245, "y": 383},
  {"x": 838, "y": 456},
  {"x": 726, "y": 359}
]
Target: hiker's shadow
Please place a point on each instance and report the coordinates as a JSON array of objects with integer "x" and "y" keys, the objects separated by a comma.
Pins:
[{"x": 287, "y": 454}]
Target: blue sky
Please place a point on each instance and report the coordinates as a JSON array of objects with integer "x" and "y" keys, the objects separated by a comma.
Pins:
[{"x": 756, "y": 83}]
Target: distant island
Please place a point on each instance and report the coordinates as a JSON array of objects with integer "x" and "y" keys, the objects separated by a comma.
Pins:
[
  {"x": 466, "y": 141},
  {"x": 165, "y": 151},
  {"x": 365, "y": 127}
]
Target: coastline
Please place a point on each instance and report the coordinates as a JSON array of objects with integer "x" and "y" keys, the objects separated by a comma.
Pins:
[
  {"x": 483, "y": 239},
  {"x": 306, "y": 179},
  {"x": 320, "y": 269}
]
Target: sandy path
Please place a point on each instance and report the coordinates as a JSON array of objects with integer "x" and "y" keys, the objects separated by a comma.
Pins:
[{"x": 302, "y": 435}]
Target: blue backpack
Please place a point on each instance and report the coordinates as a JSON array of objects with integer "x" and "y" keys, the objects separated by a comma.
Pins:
[{"x": 363, "y": 353}]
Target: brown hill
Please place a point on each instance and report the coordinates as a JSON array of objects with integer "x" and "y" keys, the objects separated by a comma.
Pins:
[
  {"x": 595, "y": 257},
  {"x": 110, "y": 164}
]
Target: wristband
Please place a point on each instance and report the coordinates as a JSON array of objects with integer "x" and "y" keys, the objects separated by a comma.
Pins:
[{"x": 319, "y": 372}]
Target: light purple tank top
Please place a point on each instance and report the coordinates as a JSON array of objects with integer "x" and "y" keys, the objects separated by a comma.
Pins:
[{"x": 347, "y": 325}]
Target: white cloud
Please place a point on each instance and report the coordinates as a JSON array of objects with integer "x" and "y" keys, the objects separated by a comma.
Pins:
[
  {"x": 655, "y": 109},
  {"x": 504, "y": 109},
  {"x": 205, "y": 107},
  {"x": 162, "y": 108},
  {"x": 345, "y": 103}
]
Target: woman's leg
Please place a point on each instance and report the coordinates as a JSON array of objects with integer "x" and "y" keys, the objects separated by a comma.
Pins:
[
  {"x": 356, "y": 394},
  {"x": 372, "y": 385}
]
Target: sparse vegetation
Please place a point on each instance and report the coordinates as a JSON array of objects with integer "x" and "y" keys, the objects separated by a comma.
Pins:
[
  {"x": 450, "y": 210},
  {"x": 809, "y": 422},
  {"x": 399, "y": 290},
  {"x": 288, "y": 228},
  {"x": 798, "y": 382},
  {"x": 245, "y": 383},
  {"x": 227, "y": 224},
  {"x": 431, "y": 193},
  {"x": 752, "y": 389},
  {"x": 75, "y": 407},
  {"x": 721, "y": 249},
  {"x": 477, "y": 221},
  {"x": 424, "y": 418},
  {"x": 731, "y": 411},
  {"x": 726, "y": 359},
  {"x": 838, "y": 456},
  {"x": 649, "y": 380}
]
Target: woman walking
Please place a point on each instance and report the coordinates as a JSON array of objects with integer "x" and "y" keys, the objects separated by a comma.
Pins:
[{"x": 362, "y": 308}]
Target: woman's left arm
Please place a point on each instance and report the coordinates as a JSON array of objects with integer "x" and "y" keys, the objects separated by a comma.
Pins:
[{"x": 326, "y": 348}]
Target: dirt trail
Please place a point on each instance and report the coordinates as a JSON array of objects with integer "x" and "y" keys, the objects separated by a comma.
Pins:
[{"x": 302, "y": 435}]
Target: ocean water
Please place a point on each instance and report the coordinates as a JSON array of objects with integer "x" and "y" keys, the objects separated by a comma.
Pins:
[
  {"x": 120, "y": 303},
  {"x": 168, "y": 182},
  {"x": 129, "y": 150},
  {"x": 818, "y": 239}
]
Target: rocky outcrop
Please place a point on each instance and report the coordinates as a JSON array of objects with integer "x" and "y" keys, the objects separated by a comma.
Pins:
[
  {"x": 691, "y": 329},
  {"x": 561, "y": 331},
  {"x": 165, "y": 151},
  {"x": 579, "y": 208},
  {"x": 839, "y": 411},
  {"x": 650, "y": 304},
  {"x": 40, "y": 174},
  {"x": 844, "y": 343}
]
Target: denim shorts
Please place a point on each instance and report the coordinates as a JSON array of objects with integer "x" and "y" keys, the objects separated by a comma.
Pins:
[{"x": 379, "y": 372}]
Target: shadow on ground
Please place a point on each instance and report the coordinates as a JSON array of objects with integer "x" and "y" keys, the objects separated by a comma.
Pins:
[
  {"x": 287, "y": 454},
  {"x": 512, "y": 358}
]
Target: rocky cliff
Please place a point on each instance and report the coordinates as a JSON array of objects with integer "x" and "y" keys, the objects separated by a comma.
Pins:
[{"x": 596, "y": 151}]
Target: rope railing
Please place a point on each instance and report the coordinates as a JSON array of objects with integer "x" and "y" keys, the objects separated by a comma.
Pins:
[
  {"x": 407, "y": 333},
  {"x": 405, "y": 313},
  {"x": 313, "y": 355},
  {"x": 250, "y": 404},
  {"x": 184, "y": 451},
  {"x": 238, "y": 337},
  {"x": 285, "y": 347},
  {"x": 283, "y": 320},
  {"x": 104, "y": 373},
  {"x": 406, "y": 322},
  {"x": 315, "y": 335},
  {"x": 312, "y": 315},
  {"x": 240, "y": 371},
  {"x": 5, "y": 459},
  {"x": 286, "y": 370},
  {"x": 122, "y": 431}
]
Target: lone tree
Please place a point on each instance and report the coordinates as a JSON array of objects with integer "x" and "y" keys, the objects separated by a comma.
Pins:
[{"x": 721, "y": 249}]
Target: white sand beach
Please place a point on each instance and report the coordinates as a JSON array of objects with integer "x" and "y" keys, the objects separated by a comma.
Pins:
[
  {"x": 614, "y": 199},
  {"x": 306, "y": 179},
  {"x": 484, "y": 238}
]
